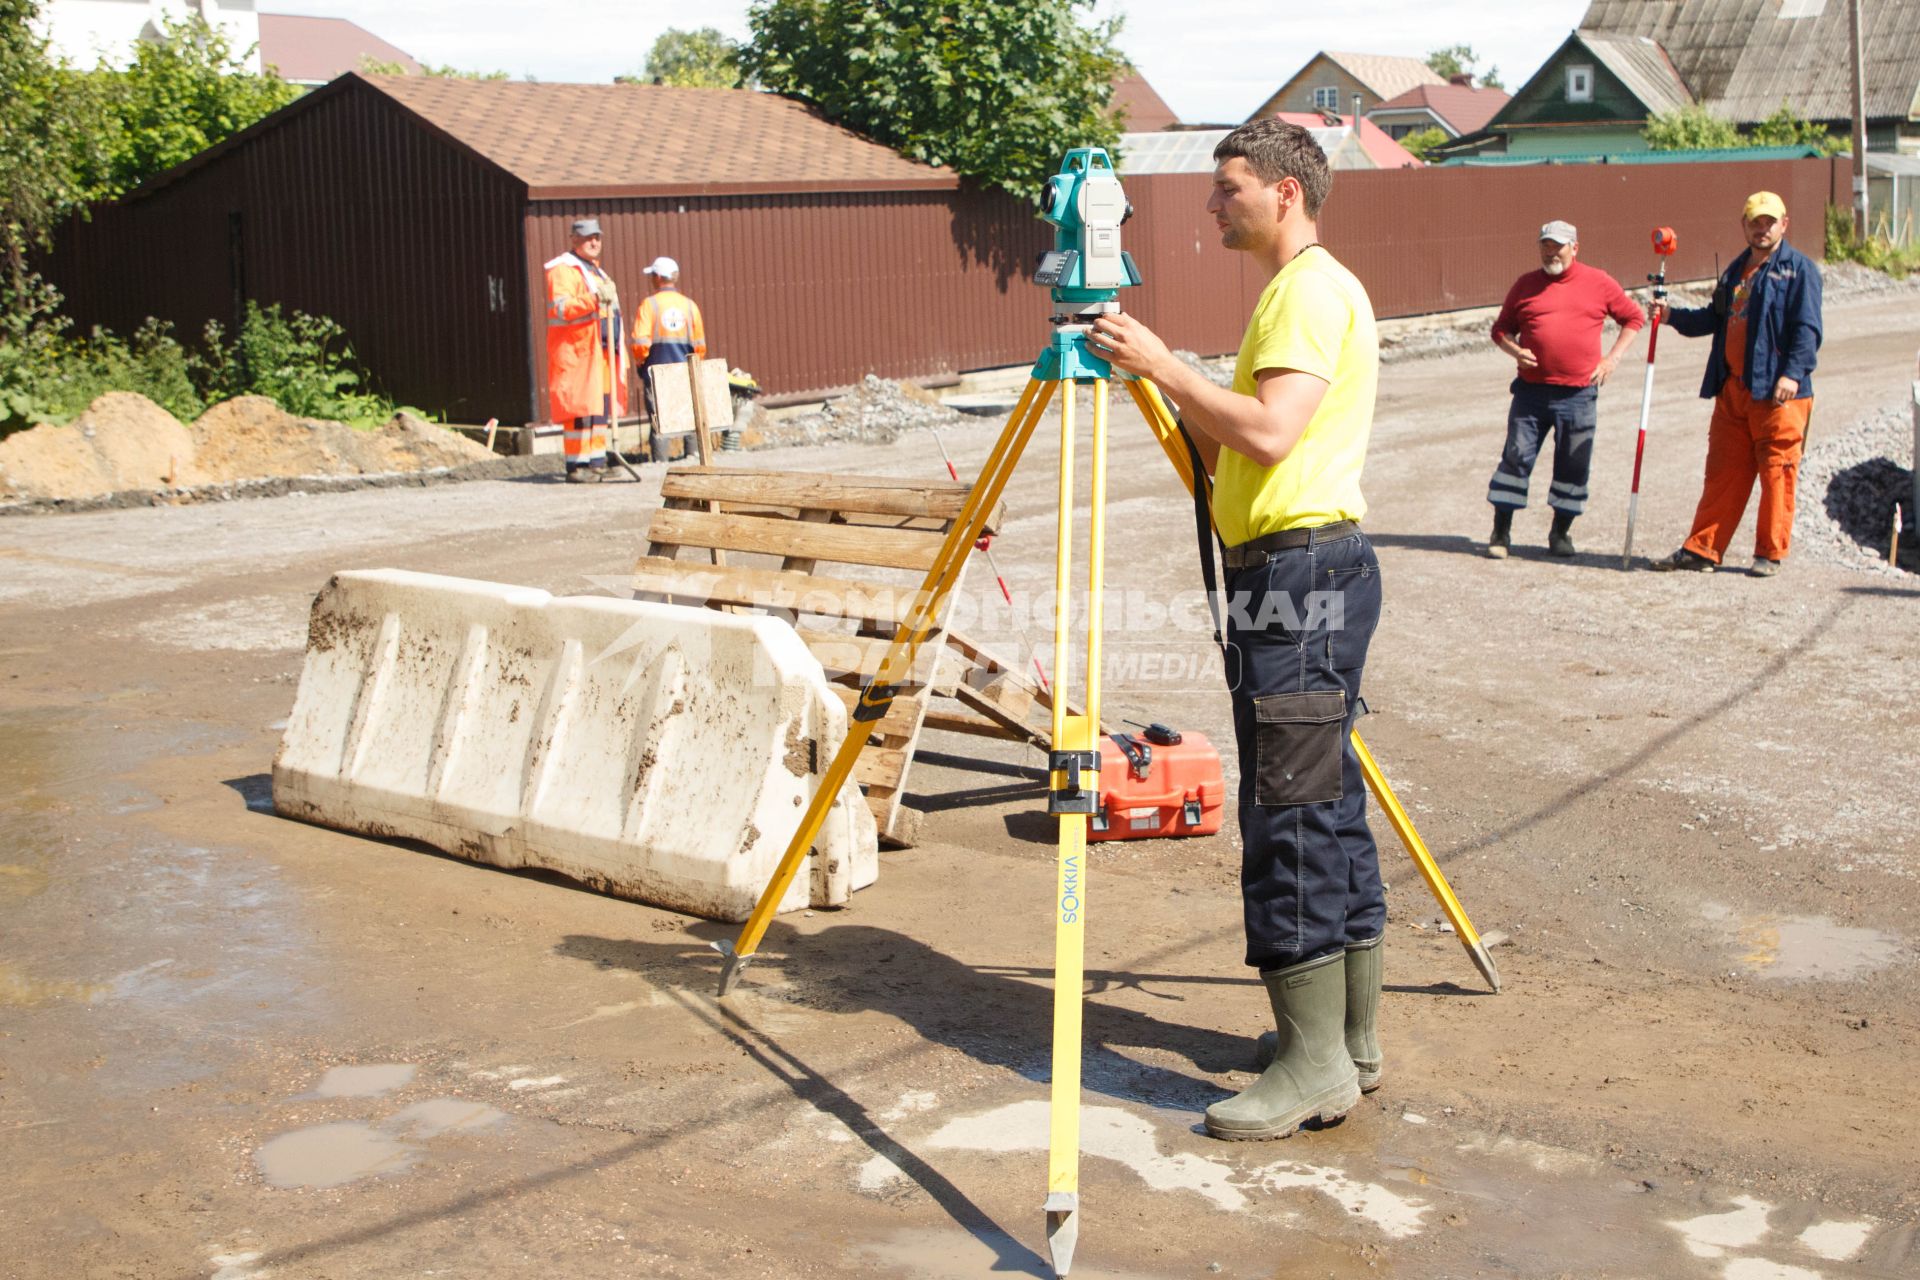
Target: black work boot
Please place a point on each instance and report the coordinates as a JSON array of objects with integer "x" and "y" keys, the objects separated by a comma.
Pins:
[
  {"x": 1501, "y": 539},
  {"x": 1560, "y": 537}
]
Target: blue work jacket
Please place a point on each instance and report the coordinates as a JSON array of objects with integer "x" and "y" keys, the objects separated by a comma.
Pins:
[{"x": 1783, "y": 323}]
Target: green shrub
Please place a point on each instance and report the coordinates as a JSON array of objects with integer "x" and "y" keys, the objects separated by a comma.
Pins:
[
  {"x": 1876, "y": 252},
  {"x": 302, "y": 362}
]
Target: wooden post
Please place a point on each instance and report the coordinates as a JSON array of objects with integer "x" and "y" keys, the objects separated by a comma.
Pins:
[{"x": 1857, "y": 74}]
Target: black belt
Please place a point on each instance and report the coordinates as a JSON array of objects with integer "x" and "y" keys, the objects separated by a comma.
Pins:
[{"x": 1251, "y": 555}]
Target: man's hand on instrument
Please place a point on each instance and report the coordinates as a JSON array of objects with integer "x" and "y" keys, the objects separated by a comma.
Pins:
[
  {"x": 1129, "y": 345},
  {"x": 1784, "y": 390},
  {"x": 1604, "y": 370},
  {"x": 608, "y": 294}
]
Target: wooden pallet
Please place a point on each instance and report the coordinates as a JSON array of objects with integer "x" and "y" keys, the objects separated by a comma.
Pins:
[{"x": 847, "y": 615}]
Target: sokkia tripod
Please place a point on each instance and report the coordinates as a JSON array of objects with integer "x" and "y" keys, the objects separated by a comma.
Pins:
[{"x": 1074, "y": 763}]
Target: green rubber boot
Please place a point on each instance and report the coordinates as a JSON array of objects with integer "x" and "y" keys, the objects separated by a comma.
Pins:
[
  {"x": 1312, "y": 1074},
  {"x": 1363, "y": 1017},
  {"x": 1363, "y": 1011}
]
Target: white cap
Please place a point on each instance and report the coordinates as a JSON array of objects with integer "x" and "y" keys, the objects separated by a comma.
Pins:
[
  {"x": 663, "y": 266},
  {"x": 1559, "y": 232}
]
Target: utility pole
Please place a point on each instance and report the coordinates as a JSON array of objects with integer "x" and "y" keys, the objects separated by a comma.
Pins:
[{"x": 1859, "y": 121}]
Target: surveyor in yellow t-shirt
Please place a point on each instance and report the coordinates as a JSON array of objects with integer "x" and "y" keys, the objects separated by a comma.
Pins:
[{"x": 1285, "y": 446}]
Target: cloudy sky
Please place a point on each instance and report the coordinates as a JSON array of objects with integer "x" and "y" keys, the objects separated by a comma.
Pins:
[{"x": 1212, "y": 60}]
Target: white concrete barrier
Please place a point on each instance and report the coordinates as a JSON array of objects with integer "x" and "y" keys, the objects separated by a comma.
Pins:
[{"x": 657, "y": 752}]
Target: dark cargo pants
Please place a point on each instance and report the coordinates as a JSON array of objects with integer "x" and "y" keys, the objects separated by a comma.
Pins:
[
  {"x": 1537, "y": 408},
  {"x": 1298, "y": 629}
]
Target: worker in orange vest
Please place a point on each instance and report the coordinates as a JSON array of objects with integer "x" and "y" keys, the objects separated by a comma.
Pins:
[
  {"x": 584, "y": 332},
  {"x": 668, "y": 330}
]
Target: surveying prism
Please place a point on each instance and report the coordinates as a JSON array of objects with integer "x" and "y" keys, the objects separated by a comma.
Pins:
[{"x": 1085, "y": 270}]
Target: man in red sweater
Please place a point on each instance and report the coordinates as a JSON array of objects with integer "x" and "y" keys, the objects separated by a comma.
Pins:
[{"x": 1550, "y": 325}]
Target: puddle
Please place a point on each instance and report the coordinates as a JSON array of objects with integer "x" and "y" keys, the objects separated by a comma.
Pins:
[
  {"x": 364, "y": 1082},
  {"x": 1804, "y": 948},
  {"x": 443, "y": 1115},
  {"x": 927, "y": 1254},
  {"x": 331, "y": 1155},
  {"x": 1128, "y": 1139}
]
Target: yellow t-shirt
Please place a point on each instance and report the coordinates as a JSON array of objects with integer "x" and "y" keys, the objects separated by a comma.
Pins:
[{"x": 1313, "y": 316}]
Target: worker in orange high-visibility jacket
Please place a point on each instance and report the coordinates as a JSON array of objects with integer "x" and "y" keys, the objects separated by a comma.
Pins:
[
  {"x": 585, "y": 330},
  {"x": 668, "y": 328}
]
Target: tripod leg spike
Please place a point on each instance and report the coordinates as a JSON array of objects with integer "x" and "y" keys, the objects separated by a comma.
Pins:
[{"x": 1063, "y": 1229}]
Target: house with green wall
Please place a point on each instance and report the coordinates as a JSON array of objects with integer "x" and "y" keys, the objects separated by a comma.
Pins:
[
  {"x": 1741, "y": 60},
  {"x": 1593, "y": 96}
]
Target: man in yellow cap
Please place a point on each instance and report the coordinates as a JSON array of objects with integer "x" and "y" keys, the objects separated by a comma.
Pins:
[{"x": 1765, "y": 322}]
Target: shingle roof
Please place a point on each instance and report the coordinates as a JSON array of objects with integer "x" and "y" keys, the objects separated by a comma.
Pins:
[
  {"x": 1642, "y": 66},
  {"x": 1145, "y": 110},
  {"x": 1385, "y": 74},
  {"x": 578, "y": 141},
  {"x": 1465, "y": 108},
  {"x": 1743, "y": 58},
  {"x": 315, "y": 50}
]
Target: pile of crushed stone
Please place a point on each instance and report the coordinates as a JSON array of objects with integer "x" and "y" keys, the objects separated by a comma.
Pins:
[
  {"x": 1850, "y": 482},
  {"x": 127, "y": 443},
  {"x": 1842, "y": 279},
  {"x": 877, "y": 411}
]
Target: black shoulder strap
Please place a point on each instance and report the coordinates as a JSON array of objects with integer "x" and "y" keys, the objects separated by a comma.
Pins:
[{"x": 1203, "y": 529}]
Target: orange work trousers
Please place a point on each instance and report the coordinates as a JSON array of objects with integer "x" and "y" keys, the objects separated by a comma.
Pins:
[{"x": 1750, "y": 439}]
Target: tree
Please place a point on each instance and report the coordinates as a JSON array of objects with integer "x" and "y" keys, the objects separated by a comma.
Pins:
[
  {"x": 1690, "y": 128},
  {"x": 53, "y": 153},
  {"x": 702, "y": 59},
  {"x": 994, "y": 89},
  {"x": 1419, "y": 142},
  {"x": 1787, "y": 128},
  {"x": 372, "y": 66},
  {"x": 183, "y": 93},
  {"x": 1460, "y": 59}
]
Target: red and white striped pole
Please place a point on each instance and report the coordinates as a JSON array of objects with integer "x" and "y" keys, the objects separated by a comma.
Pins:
[
  {"x": 985, "y": 545},
  {"x": 1664, "y": 243}
]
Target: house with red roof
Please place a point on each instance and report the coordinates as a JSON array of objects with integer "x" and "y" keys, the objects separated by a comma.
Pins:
[{"x": 1455, "y": 108}]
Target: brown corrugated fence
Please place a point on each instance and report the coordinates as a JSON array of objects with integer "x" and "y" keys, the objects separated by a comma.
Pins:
[
  {"x": 348, "y": 205},
  {"x": 812, "y": 292}
]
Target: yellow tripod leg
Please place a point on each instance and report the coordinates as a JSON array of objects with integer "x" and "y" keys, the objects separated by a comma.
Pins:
[
  {"x": 1167, "y": 431},
  {"x": 1429, "y": 869},
  {"x": 1075, "y": 738},
  {"x": 894, "y": 670}
]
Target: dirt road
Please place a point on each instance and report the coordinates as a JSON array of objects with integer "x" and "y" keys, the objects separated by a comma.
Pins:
[{"x": 235, "y": 1046}]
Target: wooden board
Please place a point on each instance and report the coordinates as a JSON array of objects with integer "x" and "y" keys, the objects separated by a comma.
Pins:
[
  {"x": 897, "y": 549},
  {"x": 773, "y": 591},
  {"x": 857, "y": 521},
  {"x": 672, "y": 398},
  {"x": 940, "y": 500}
]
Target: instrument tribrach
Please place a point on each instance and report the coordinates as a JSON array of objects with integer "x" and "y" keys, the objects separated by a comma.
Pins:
[{"x": 1085, "y": 270}]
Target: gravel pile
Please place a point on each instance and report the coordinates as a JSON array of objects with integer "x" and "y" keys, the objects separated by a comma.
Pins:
[
  {"x": 1218, "y": 371},
  {"x": 876, "y": 412},
  {"x": 1850, "y": 482},
  {"x": 1440, "y": 339},
  {"x": 1846, "y": 279}
]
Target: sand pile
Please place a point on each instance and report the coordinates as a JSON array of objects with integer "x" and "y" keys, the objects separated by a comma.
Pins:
[{"x": 125, "y": 442}]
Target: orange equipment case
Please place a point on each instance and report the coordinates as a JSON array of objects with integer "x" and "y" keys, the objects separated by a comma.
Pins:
[{"x": 1159, "y": 782}]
